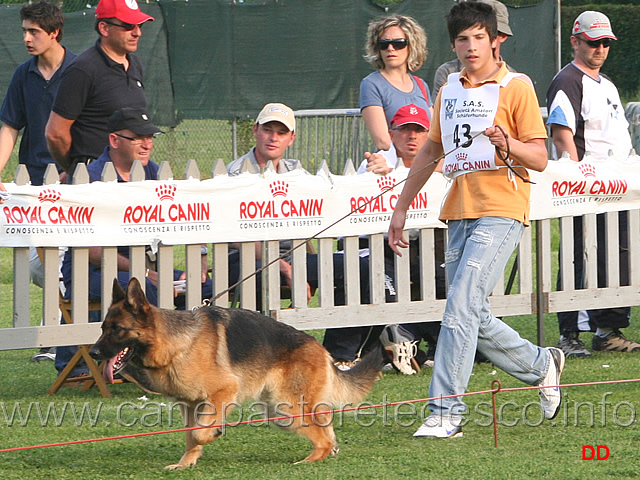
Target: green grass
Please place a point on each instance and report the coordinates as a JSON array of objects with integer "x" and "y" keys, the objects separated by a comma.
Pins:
[
  {"x": 372, "y": 447},
  {"x": 527, "y": 447}
]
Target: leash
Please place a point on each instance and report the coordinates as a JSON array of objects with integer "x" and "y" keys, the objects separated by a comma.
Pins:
[
  {"x": 364, "y": 204},
  {"x": 505, "y": 159}
]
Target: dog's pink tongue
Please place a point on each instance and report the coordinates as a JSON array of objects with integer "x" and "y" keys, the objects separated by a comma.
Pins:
[{"x": 107, "y": 371}]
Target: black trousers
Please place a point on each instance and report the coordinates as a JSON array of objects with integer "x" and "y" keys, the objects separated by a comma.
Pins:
[{"x": 605, "y": 317}]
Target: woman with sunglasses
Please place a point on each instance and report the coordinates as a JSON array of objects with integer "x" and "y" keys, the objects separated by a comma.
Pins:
[{"x": 396, "y": 46}]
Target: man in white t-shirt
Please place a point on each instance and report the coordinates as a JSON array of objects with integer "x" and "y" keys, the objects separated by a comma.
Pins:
[{"x": 586, "y": 116}]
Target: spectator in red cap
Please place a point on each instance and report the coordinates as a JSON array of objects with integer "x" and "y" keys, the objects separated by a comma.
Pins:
[
  {"x": 104, "y": 78},
  {"x": 408, "y": 132},
  {"x": 127, "y": 11}
]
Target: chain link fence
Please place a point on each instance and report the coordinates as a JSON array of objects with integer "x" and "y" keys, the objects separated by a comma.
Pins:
[{"x": 334, "y": 136}]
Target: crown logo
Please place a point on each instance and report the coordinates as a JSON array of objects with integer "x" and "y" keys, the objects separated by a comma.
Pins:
[
  {"x": 166, "y": 191},
  {"x": 461, "y": 157},
  {"x": 49, "y": 195},
  {"x": 587, "y": 169},
  {"x": 279, "y": 188},
  {"x": 385, "y": 183}
]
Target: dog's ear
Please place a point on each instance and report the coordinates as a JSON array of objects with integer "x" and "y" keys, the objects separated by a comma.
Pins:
[
  {"x": 117, "y": 293},
  {"x": 136, "y": 297}
]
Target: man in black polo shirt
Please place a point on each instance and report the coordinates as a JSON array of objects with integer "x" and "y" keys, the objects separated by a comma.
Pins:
[{"x": 104, "y": 78}]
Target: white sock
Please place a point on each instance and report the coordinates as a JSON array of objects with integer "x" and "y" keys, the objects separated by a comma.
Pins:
[{"x": 603, "y": 331}]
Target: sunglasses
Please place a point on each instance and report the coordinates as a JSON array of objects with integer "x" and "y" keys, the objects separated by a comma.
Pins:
[
  {"x": 605, "y": 42},
  {"x": 125, "y": 26},
  {"x": 398, "y": 43},
  {"x": 137, "y": 140}
]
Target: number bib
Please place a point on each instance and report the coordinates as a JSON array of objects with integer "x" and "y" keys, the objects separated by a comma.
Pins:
[{"x": 465, "y": 112}]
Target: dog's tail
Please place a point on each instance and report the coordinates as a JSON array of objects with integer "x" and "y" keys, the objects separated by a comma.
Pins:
[{"x": 353, "y": 385}]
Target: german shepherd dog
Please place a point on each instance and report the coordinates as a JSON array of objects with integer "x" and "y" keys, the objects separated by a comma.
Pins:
[{"x": 212, "y": 358}]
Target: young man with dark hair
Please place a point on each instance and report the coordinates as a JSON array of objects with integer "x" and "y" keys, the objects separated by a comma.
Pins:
[
  {"x": 28, "y": 103},
  {"x": 33, "y": 88},
  {"x": 504, "y": 32},
  {"x": 485, "y": 113}
]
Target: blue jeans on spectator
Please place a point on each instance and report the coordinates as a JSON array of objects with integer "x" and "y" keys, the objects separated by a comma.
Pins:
[{"x": 476, "y": 256}]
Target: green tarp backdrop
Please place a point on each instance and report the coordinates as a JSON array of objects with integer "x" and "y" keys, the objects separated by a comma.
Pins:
[{"x": 224, "y": 59}]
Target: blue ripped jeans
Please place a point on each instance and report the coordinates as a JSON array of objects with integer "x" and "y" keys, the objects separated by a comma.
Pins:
[{"x": 476, "y": 256}]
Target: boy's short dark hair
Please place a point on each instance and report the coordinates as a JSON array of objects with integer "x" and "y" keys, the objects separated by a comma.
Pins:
[
  {"x": 469, "y": 14},
  {"x": 46, "y": 15}
]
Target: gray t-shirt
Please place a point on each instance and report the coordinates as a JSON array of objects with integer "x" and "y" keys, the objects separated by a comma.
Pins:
[
  {"x": 376, "y": 90},
  {"x": 234, "y": 167}
]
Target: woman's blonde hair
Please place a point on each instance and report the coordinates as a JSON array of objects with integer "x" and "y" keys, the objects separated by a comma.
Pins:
[{"x": 415, "y": 34}]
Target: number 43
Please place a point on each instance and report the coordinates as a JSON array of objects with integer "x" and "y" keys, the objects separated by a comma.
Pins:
[{"x": 465, "y": 129}]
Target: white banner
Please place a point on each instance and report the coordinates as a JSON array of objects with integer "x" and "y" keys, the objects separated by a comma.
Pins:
[
  {"x": 277, "y": 206},
  {"x": 569, "y": 188},
  {"x": 223, "y": 209}
]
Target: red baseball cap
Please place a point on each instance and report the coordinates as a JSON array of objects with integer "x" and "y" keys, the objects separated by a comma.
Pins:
[
  {"x": 126, "y": 11},
  {"x": 411, "y": 114}
]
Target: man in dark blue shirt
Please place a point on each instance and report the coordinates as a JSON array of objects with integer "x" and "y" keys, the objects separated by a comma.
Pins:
[
  {"x": 28, "y": 103},
  {"x": 33, "y": 88}
]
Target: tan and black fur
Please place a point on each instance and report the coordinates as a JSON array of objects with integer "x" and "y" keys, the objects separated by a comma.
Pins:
[{"x": 220, "y": 356}]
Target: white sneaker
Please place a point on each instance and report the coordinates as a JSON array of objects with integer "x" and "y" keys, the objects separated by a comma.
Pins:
[
  {"x": 400, "y": 348},
  {"x": 345, "y": 365},
  {"x": 45, "y": 354},
  {"x": 437, "y": 426},
  {"x": 550, "y": 398}
]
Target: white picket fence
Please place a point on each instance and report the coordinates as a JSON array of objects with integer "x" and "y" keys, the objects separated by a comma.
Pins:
[{"x": 533, "y": 292}]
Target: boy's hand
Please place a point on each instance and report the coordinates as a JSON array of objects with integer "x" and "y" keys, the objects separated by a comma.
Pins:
[{"x": 497, "y": 137}]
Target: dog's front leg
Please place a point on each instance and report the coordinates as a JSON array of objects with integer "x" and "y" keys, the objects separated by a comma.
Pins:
[{"x": 193, "y": 450}]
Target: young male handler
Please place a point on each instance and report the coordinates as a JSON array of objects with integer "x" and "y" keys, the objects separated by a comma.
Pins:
[{"x": 487, "y": 209}]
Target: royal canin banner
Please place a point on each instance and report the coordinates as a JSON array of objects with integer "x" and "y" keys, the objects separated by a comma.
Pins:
[
  {"x": 275, "y": 206},
  {"x": 569, "y": 188}
]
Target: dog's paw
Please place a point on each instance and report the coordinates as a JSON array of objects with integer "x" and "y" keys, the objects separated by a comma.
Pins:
[{"x": 178, "y": 466}]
